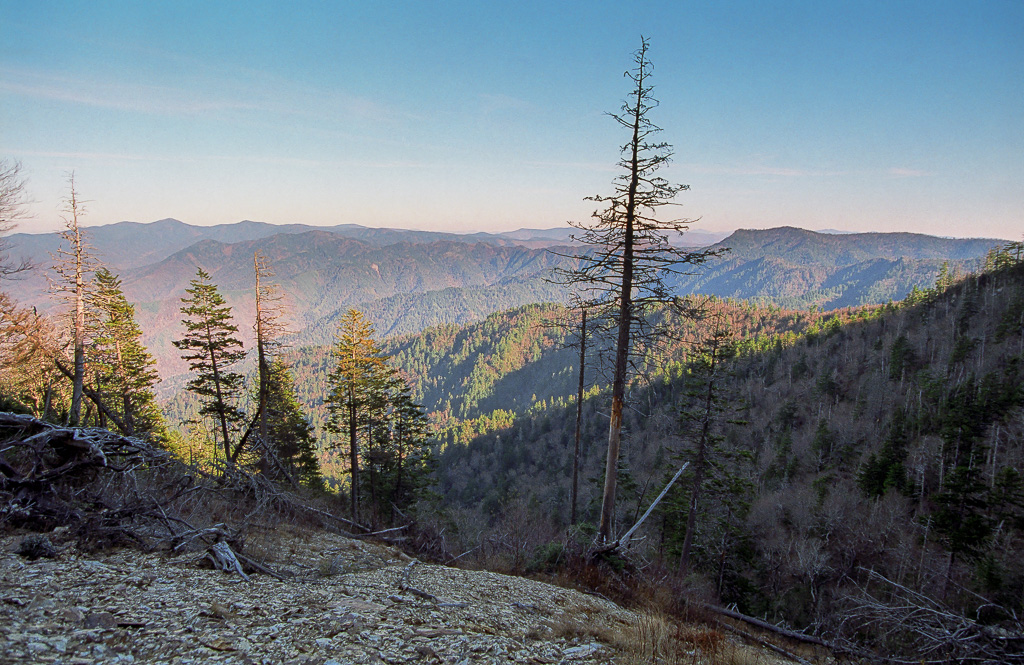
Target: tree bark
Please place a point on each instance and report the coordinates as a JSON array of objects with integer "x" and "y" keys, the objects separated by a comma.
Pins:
[
  {"x": 622, "y": 346},
  {"x": 579, "y": 418}
]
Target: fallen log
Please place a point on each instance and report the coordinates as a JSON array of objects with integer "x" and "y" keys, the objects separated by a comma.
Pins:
[{"x": 626, "y": 536}]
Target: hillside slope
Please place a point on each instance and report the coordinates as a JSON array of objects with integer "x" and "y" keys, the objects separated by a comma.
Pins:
[
  {"x": 342, "y": 603},
  {"x": 891, "y": 443},
  {"x": 408, "y": 280}
]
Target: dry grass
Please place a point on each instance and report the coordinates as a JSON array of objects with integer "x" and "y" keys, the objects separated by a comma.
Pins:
[{"x": 654, "y": 638}]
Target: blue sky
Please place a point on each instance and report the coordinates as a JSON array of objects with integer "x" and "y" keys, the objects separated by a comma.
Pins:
[{"x": 466, "y": 116}]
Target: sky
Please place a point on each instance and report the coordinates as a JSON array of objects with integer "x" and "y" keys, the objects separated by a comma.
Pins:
[{"x": 492, "y": 116}]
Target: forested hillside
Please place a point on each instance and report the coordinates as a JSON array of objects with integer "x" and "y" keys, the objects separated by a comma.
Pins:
[
  {"x": 868, "y": 464},
  {"x": 799, "y": 268},
  {"x": 406, "y": 280}
]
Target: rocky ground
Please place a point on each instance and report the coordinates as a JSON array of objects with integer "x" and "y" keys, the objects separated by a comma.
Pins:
[{"x": 342, "y": 601}]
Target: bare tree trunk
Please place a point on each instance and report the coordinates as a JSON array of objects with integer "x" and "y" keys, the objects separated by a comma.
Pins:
[
  {"x": 622, "y": 345},
  {"x": 76, "y": 258},
  {"x": 229, "y": 459},
  {"x": 353, "y": 453},
  {"x": 261, "y": 366},
  {"x": 579, "y": 418},
  {"x": 129, "y": 416},
  {"x": 79, "y": 378},
  {"x": 99, "y": 391},
  {"x": 47, "y": 400}
]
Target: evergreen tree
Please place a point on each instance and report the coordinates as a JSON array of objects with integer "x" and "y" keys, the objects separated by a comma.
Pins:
[
  {"x": 357, "y": 385},
  {"x": 714, "y": 483},
  {"x": 398, "y": 461},
  {"x": 885, "y": 471},
  {"x": 124, "y": 370},
  {"x": 211, "y": 348},
  {"x": 289, "y": 432}
]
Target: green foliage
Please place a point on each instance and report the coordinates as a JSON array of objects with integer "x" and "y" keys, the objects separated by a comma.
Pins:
[
  {"x": 289, "y": 432},
  {"x": 902, "y": 358},
  {"x": 123, "y": 370},
  {"x": 211, "y": 349},
  {"x": 824, "y": 444},
  {"x": 372, "y": 410},
  {"x": 885, "y": 470},
  {"x": 546, "y": 558}
]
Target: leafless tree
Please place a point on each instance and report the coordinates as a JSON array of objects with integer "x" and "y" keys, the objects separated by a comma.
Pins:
[
  {"x": 74, "y": 262},
  {"x": 269, "y": 328},
  {"x": 12, "y": 209},
  {"x": 623, "y": 275}
]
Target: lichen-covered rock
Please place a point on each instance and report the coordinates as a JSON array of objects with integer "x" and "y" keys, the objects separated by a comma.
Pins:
[{"x": 344, "y": 603}]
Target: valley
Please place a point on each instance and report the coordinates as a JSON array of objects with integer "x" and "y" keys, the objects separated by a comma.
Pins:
[{"x": 406, "y": 281}]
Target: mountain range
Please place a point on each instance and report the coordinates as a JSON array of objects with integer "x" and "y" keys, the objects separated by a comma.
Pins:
[{"x": 407, "y": 280}]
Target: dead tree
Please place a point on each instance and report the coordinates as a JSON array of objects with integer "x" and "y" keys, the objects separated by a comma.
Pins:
[
  {"x": 73, "y": 264},
  {"x": 621, "y": 274}
]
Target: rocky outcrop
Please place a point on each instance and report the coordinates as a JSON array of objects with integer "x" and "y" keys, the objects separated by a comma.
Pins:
[{"x": 340, "y": 601}]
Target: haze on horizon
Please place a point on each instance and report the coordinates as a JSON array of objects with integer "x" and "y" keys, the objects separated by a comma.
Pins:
[{"x": 465, "y": 117}]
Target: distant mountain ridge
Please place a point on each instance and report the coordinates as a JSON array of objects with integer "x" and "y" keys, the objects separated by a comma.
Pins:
[
  {"x": 798, "y": 268},
  {"x": 407, "y": 280}
]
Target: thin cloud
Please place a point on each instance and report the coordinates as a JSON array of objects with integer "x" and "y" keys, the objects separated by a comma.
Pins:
[
  {"x": 257, "y": 93},
  {"x": 898, "y": 172},
  {"x": 234, "y": 159},
  {"x": 602, "y": 167},
  {"x": 759, "y": 170},
  {"x": 111, "y": 156},
  {"x": 117, "y": 96}
]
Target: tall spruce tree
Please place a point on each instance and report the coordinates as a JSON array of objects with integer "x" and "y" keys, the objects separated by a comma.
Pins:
[
  {"x": 623, "y": 275},
  {"x": 398, "y": 454},
  {"x": 288, "y": 431},
  {"x": 358, "y": 383},
  {"x": 411, "y": 454},
  {"x": 124, "y": 370},
  {"x": 211, "y": 348},
  {"x": 705, "y": 407}
]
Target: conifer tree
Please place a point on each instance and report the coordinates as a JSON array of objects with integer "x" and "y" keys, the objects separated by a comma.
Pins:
[
  {"x": 716, "y": 346},
  {"x": 412, "y": 454},
  {"x": 211, "y": 348},
  {"x": 357, "y": 383},
  {"x": 125, "y": 370},
  {"x": 398, "y": 455},
  {"x": 288, "y": 430},
  {"x": 624, "y": 274}
]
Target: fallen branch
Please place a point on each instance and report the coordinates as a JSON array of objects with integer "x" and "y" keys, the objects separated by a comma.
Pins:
[
  {"x": 625, "y": 537},
  {"x": 260, "y": 567},
  {"x": 764, "y": 643},
  {"x": 770, "y": 627},
  {"x": 403, "y": 584},
  {"x": 379, "y": 533}
]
